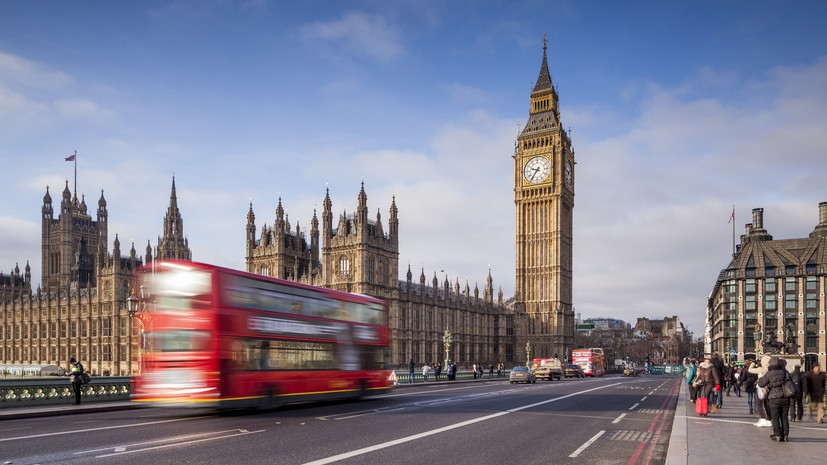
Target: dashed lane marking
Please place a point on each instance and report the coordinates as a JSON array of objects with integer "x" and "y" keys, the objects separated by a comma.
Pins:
[{"x": 586, "y": 444}]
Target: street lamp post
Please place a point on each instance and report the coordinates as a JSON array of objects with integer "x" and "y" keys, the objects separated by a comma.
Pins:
[
  {"x": 446, "y": 341},
  {"x": 528, "y": 354}
]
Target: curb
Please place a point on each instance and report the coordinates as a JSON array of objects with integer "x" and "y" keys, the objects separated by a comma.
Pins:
[{"x": 678, "y": 451}]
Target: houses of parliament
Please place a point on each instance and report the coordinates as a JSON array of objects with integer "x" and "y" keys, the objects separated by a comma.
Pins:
[{"x": 80, "y": 308}]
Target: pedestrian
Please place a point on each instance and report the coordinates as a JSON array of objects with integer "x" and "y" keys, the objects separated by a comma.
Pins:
[
  {"x": 709, "y": 382},
  {"x": 719, "y": 368},
  {"x": 691, "y": 375},
  {"x": 747, "y": 381},
  {"x": 425, "y": 371},
  {"x": 75, "y": 377},
  {"x": 499, "y": 370},
  {"x": 474, "y": 369},
  {"x": 411, "y": 372},
  {"x": 437, "y": 370},
  {"x": 779, "y": 403},
  {"x": 762, "y": 404},
  {"x": 450, "y": 371},
  {"x": 815, "y": 385},
  {"x": 796, "y": 405},
  {"x": 490, "y": 371}
]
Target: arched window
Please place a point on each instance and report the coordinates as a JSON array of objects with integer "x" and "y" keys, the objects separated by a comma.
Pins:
[{"x": 344, "y": 265}]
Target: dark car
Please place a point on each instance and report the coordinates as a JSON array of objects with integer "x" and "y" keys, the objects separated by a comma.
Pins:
[
  {"x": 521, "y": 375},
  {"x": 574, "y": 371}
]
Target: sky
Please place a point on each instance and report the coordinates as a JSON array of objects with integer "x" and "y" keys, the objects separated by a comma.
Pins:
[{"x": 678, "y": 111}]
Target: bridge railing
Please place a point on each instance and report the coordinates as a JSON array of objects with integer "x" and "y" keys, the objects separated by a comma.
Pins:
[{"x": 58, "y": 390}]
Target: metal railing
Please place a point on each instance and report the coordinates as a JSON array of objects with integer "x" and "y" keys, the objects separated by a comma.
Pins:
[
  {"x": 402, "y": 376},
  {"x": 58, "y": 390}
]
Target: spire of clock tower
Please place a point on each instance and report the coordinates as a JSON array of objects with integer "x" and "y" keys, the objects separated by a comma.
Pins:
[{"x": 544, "y": 80}]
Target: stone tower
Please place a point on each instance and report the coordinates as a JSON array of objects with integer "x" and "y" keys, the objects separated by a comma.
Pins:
[
  {"x": 358, "y": 255},
  {"x": 280, "y": 252},
  {"x": 544, "y": 197},
  {"x": 68, "y": 243},
  {"x": 173, "y": 244}
]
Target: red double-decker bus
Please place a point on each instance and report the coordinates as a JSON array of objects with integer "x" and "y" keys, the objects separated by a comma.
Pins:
[{"x": 215, "y": 337}]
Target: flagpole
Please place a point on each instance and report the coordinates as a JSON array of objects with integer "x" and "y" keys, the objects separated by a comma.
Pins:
[
  {"x": 733, "y": 232},
  {"x": 76, "y": 172}
]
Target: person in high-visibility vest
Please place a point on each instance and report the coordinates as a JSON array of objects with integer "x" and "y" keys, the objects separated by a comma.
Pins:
[{"x": 75, "y": 373}]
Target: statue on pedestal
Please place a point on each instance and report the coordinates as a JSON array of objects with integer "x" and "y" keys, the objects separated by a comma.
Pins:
[{"x": 771, "y": 345}]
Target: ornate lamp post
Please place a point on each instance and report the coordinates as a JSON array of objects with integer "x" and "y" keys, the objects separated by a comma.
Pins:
[
  {"x": 446, "y": 341},
  {"x": 136, "y": 311},
  {"x": 528, "y": 354}
]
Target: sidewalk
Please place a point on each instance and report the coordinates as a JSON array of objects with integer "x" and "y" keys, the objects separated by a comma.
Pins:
[{"x": 730, "y": 435}]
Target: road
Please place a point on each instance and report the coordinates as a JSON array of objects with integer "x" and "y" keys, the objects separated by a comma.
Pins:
[{"x": 609, "y": 420}]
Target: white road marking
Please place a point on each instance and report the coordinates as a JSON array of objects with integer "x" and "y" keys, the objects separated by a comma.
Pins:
[
  {"x": 617, "y": 420},
  {"x": 384, "y": 445},
  {"x": 156, "y": 441},
  {"x": 633, "y": 407},
  {"x": 79, "y": 431},
  {"x": 644, "y": 398},
  {"x": 241, "y": 432},
  {"x": 586, "y": 444}
]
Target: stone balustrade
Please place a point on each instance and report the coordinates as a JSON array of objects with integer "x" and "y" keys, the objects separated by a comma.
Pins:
[{"x": 20, "y": 392}]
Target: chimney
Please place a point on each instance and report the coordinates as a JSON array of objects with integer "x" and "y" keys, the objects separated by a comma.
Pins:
[
  {"x": 821, "y": 229},
  {"x": 758, "y": 218}
]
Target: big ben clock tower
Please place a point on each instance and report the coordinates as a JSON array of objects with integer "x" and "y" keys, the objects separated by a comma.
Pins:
[{"x": 544, "y": 196}]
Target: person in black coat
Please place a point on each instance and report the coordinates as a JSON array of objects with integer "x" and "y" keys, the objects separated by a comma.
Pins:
[
  {"x": 718, "y": 364},
  {"x": 796, "y": 405},
  {"x": 779, "y": 404}
]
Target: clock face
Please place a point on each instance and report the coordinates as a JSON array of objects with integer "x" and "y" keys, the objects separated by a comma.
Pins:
[
  {"x": 537, "y": 170},
  {"x": 569, "y": 173}
]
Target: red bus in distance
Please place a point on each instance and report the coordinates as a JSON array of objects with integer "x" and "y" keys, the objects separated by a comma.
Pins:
[
  {"x": 221, "y": 338},
  {"x": 590, "y": 361}
]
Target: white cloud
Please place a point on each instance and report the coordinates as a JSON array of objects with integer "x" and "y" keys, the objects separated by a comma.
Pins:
[
  {"x": 15, "y": 70},
  {"x": 357, "y": 33},
  {"x": 652, "y": 202}
]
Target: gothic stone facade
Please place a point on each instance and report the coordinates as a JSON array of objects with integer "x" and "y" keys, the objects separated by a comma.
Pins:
[
  {"x": 355, "y": 254},
  {"x": 771, "y": 286},
  {"x": 80, "y": 311}
]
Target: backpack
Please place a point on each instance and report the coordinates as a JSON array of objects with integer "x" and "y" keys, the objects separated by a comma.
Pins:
[{"x": 84, "y": 378}]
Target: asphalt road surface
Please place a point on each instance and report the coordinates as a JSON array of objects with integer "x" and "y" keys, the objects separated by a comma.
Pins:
[{"x": 609, "y": 420}]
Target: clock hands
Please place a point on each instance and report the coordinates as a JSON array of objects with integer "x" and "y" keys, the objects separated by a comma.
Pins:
[{"x": 535, "y": 173}]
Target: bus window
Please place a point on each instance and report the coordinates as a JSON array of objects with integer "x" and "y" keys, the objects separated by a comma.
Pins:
[{"x": 180, "y": 340}]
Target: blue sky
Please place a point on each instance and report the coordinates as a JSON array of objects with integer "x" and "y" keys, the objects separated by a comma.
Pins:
[{"x": 678, "y": 110}]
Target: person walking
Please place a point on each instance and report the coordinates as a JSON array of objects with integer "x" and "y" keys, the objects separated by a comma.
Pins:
[
  {"x": 490, "y": 371},
  {"x": 711, "y": 382},
  {"x": 747, "y": 381},
  {"x": 719, "y": 368},
  {"x": 425, "y": 371},
  {"x": 762, "y": 404},
  {"x": 796, "y": 405},
  {"x": 779, "y": 403},
  {"x": 75, "y": 377},
  {"x": 691, "y": 375},
  {"x": 437, "y": 370},
  {"x": 411, "y": 372},
  {"x": 815, "y": 385}
]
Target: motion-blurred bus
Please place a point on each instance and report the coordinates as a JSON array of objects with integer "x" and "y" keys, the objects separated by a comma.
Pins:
[
  {"x": 590, "y": 360},
  {"x": 215, "y": 337}
]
